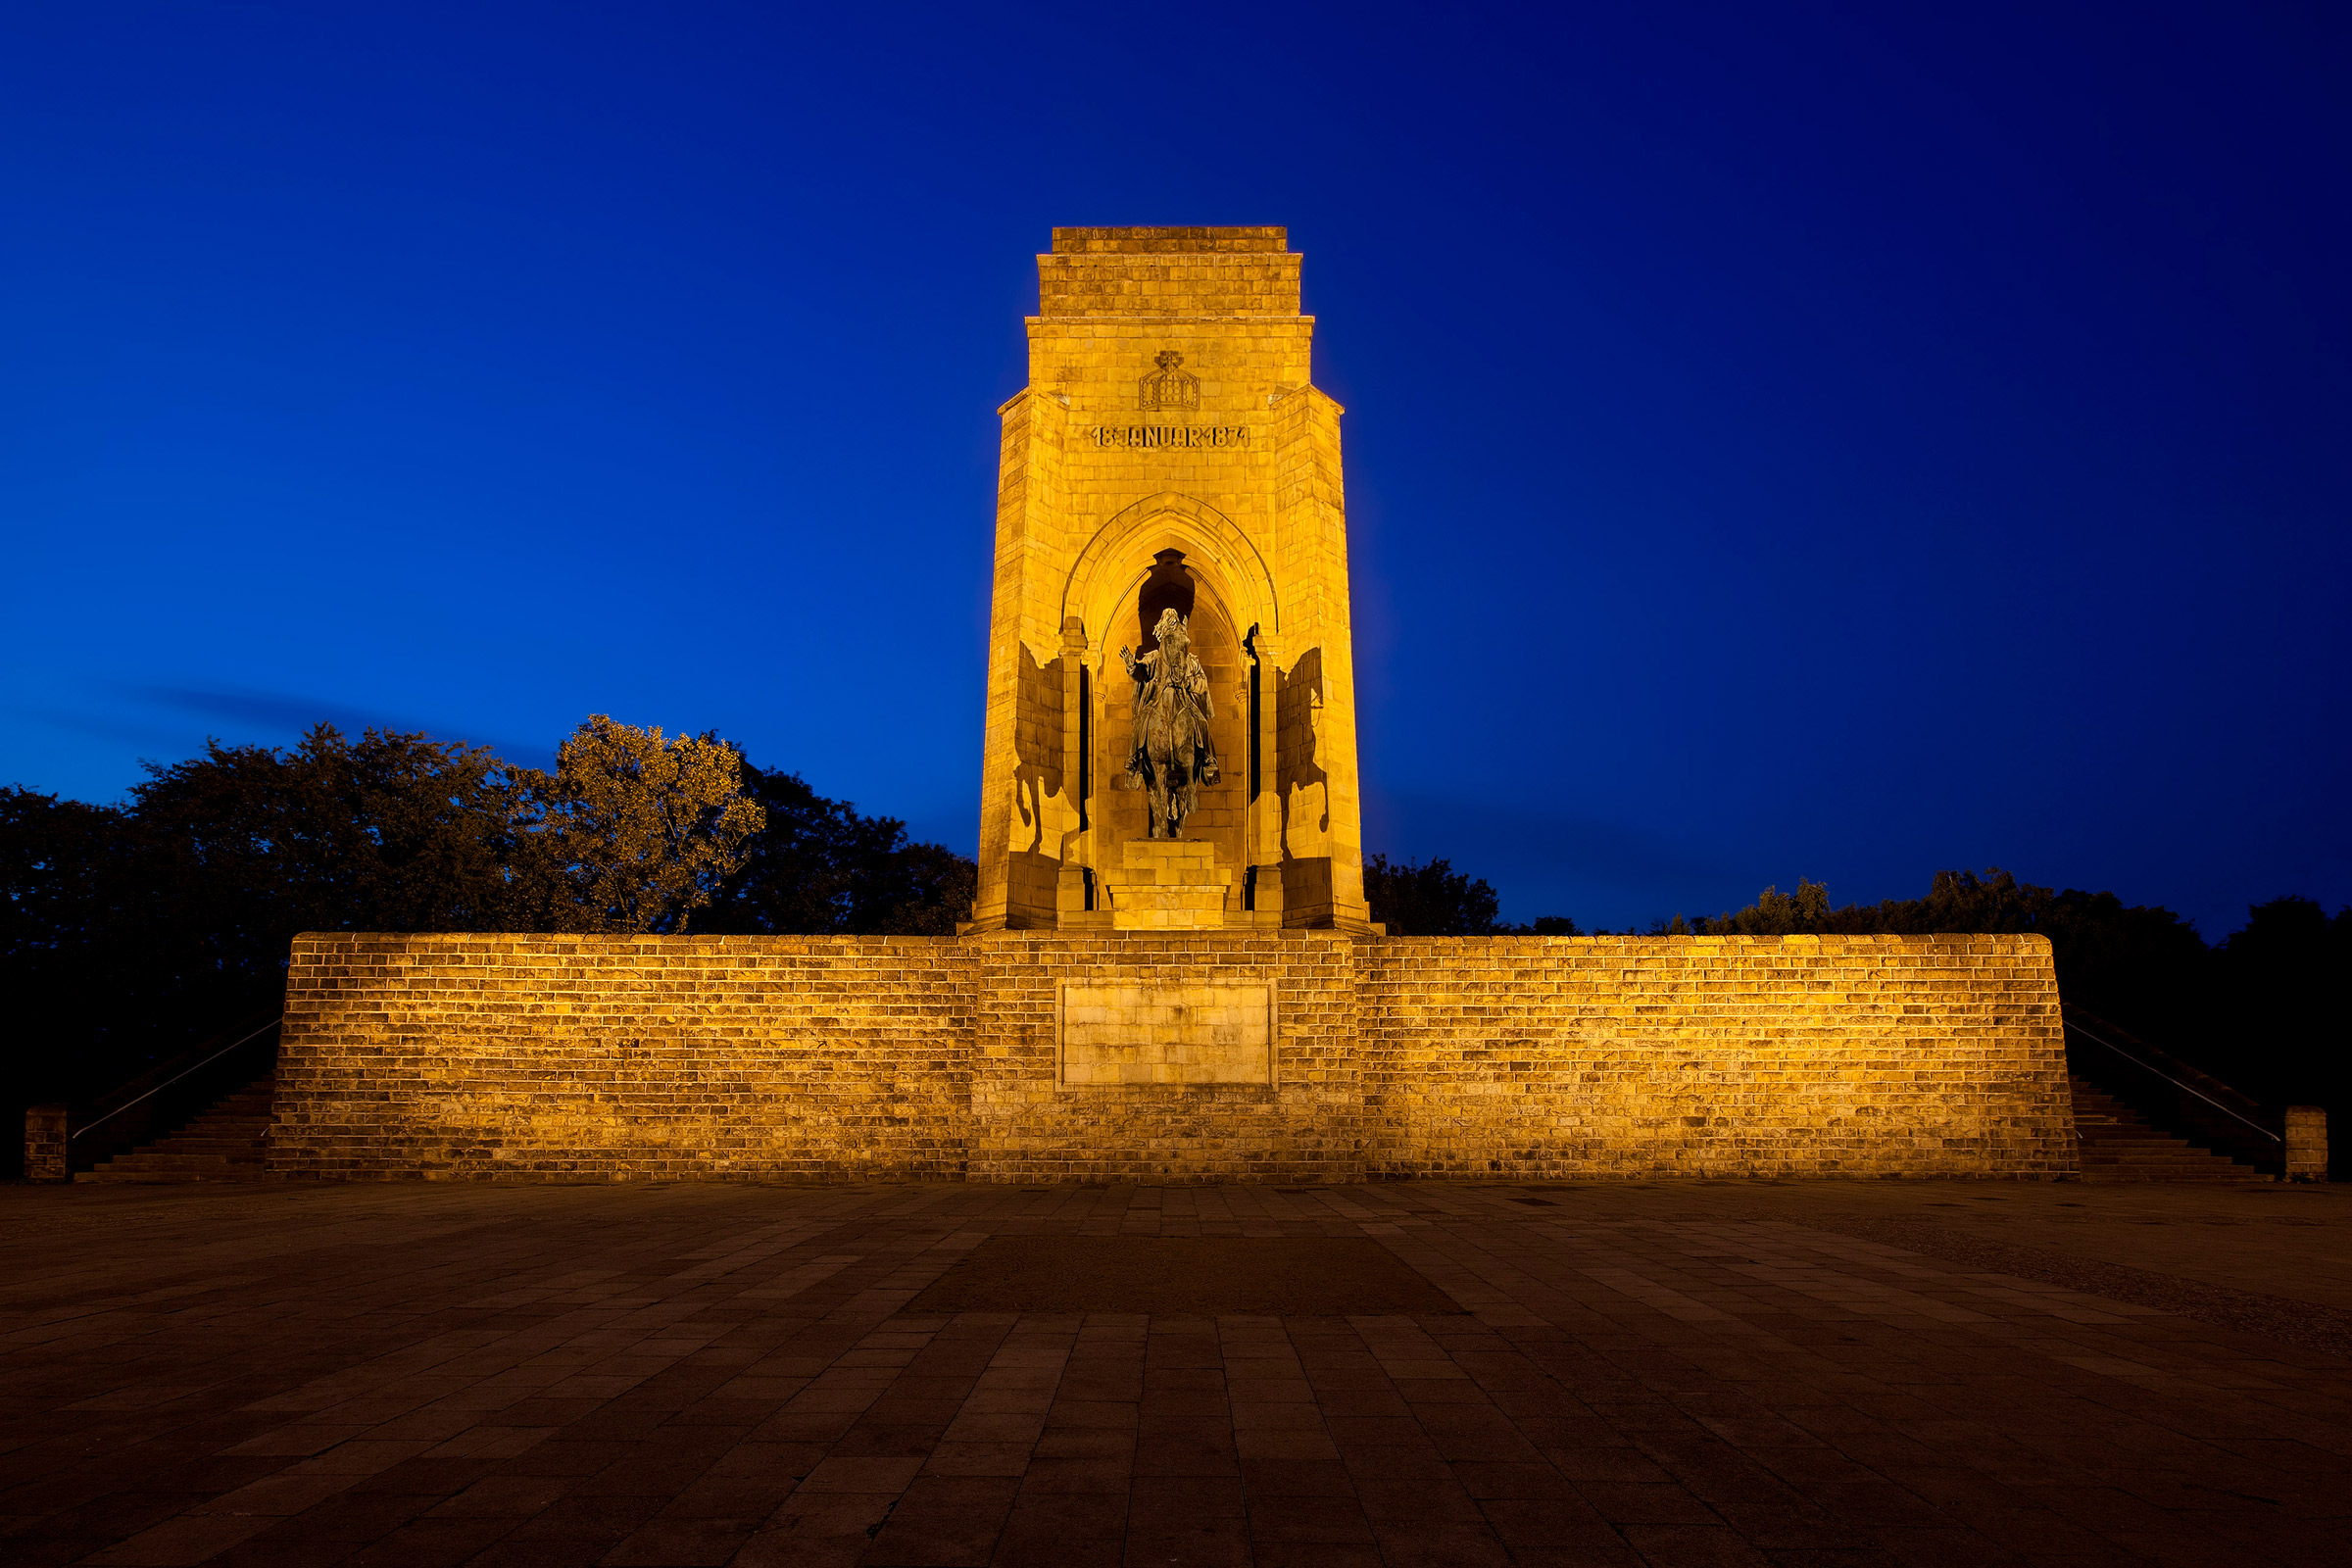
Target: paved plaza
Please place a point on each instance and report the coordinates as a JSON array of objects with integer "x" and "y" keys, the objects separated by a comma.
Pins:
[{"x": 1669, "y": 1373}]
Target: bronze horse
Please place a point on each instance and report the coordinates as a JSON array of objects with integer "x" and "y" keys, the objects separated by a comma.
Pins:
[{"x": 1172, "y": 755}]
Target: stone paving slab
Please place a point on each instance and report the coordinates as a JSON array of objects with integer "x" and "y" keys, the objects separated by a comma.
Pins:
[{"x": 1660, "y": 1373}]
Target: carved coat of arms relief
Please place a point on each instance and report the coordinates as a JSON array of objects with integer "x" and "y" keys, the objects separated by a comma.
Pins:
[{"x": 1170, "y": 387}]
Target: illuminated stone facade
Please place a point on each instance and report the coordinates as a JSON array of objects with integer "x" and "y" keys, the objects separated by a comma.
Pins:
[
  {"x": 1169, "y": 449},
  {"x": 1212, "y": 1007},
  {"x": 1291, "y": 1057}
]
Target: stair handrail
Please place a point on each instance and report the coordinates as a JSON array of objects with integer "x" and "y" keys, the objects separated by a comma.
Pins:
[
  {"x": 177, "y": 1076},
  {"x": 2175, "y": 1082}
]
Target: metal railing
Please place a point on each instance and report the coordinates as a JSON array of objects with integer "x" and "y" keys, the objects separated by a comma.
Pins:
[
  {"x": 2149, "y": 1066},
  {"x": 2175, "y": 1097},
  {"x": 159, "y": 1101},
  {"x": 176, "y": 1077}
]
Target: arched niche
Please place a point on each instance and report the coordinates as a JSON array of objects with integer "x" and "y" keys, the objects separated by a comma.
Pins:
[
  {"x": 1232, "y": 592},
  {"x": 1222, "y": 560},
  {"x": 1221, "y": 816}
]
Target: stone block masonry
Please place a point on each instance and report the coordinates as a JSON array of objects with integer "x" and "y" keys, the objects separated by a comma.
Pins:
[
  {"x": 1299, "y": 1122},
  {"x": 558, "y": 1059},
  {"x": 586, "y": 1058},
  {"x": 1827, "y": 1056}
]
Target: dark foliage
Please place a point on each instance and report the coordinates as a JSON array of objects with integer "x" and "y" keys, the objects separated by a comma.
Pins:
[
  {"x": 1434, "y": 900},
  {"x": 127, "y": 933},
  {"x": 819, "y": 869},
  {"x": 2286, "y": 982},
  {"x": 133, "y": 930},
  {"x": 1431, "y": 900}
]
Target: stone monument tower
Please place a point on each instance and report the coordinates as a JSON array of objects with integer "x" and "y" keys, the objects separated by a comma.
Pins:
[
  {"x": 1171, "y": 750},
  {"x": 1169, "y": 456}
]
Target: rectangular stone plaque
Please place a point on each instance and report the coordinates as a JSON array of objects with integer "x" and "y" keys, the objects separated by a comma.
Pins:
[{"x": 1165, "y": 1034}]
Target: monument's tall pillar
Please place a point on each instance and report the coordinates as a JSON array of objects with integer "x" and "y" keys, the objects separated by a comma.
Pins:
[{"x": 1170, "y": 453}]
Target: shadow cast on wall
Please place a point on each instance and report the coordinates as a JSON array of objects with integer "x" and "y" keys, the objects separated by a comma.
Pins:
[
  {"x": 1040, "y": 797},
  {"x": 1302, "y": 785}
]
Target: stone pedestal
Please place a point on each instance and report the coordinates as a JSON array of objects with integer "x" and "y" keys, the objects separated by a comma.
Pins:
[
  {"x": 1167, "y": 885},
  {"x": 45, "y": 1144},
  {"x": 2306, "y": 1143}
]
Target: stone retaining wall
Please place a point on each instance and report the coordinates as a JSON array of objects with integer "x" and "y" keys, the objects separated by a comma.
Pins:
[
  {"x": 580, "y": 1058},
  {"x": 1550, "y": 1058},
  {"x": 555, "y": 1058}
]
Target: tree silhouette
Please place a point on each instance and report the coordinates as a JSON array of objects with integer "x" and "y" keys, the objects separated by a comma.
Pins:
[
  {"x": 127, "y": 932},
  {"x": 821, "y": 868}
]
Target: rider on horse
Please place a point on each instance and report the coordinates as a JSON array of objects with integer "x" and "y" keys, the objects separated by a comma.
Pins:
[{"x": 1172, "y": 755}]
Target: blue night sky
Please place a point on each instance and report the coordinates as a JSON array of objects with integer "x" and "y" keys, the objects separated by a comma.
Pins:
[{"x": 1783, "y": 441}]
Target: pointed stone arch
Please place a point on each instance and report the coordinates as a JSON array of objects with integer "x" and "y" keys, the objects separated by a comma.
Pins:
[{"x": 1225, "y": 563}]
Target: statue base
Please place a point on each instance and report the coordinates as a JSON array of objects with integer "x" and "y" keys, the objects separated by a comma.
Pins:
[{"x": 1167, "y": 885}]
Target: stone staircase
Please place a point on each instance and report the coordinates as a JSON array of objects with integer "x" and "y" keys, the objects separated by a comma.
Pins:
[
  {"x": 225, "y": 1144},
  {"x": 2119, "y": 1145}
]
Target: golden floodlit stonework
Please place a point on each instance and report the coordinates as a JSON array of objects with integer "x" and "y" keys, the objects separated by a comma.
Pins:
[
  {"x": 1169, "y": 411},
  {"x": 1292, "y": 1056},
  {"x": 1135, "y": 1001}
]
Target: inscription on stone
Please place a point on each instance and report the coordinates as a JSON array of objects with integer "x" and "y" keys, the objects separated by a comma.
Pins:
[
  {"x": 1165, "y": 1034},
  {"x": 1169, "y": 435}
]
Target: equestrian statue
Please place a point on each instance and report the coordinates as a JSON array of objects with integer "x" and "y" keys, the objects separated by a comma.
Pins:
[{"x": 1173, "y": 755}]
